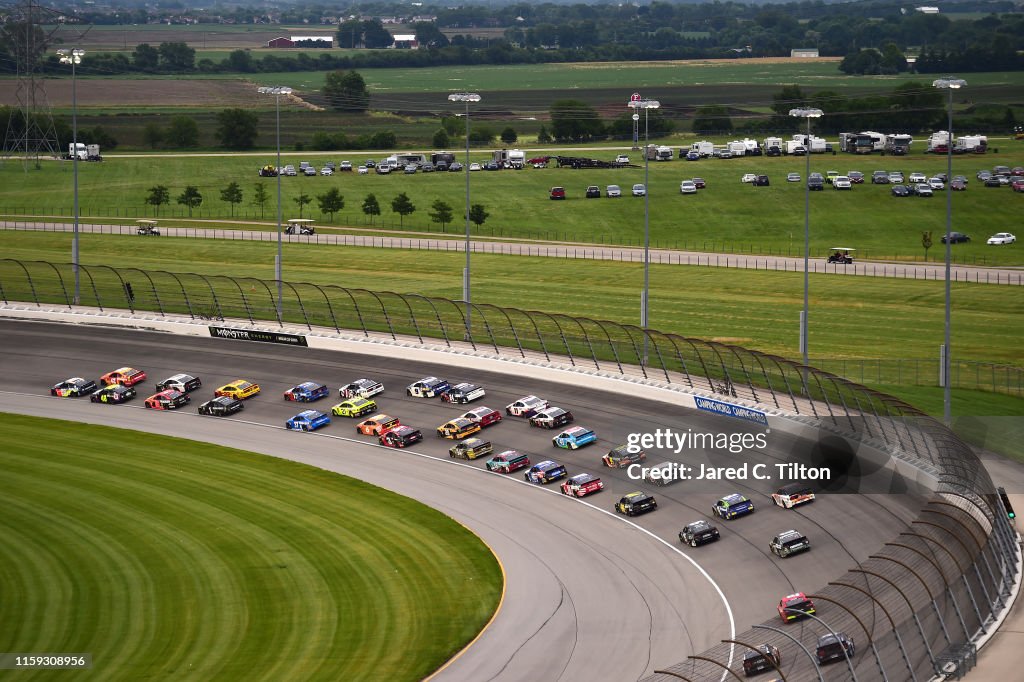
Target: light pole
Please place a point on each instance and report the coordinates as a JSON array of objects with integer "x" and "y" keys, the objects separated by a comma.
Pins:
[
  {"x": 949, "y": 84},
  {"x": 646, "y": 105},
  {"x": 466, "y": 97},
  {"x": 808, "y": 114},
  {"x": 277, "y": 91},
  {"x": 74, "y": 58}
]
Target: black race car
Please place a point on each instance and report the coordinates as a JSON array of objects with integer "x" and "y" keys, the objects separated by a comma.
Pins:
[
  {"x": 551, "y": 418},
  {"x": 698, "y": 533},
  {"x": 789, "y": 542},
  {"x": 115, "y": 393},
  {"x": 636, "y": 503},
  {"x": 75, "y": 387},
  {"x": 463, "y": 393},
  {"x": 766, "y": 657},
  {"x": 221, "y": 406},
  {"x": 180, "y": 382}
]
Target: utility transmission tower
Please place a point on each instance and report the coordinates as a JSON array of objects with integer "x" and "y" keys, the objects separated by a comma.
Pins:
[{"x": 28, "y": 32}]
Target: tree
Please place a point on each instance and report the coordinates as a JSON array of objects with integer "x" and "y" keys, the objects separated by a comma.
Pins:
[
  {"x": 98, "y": 135},
  {"x": 508, "y": 136},
  {"x": 236, "y": 128},
  {"x": 350, "y": 33},
  {"x": 482, "y": 134},
  {"x": 177, "y": 57},
  {"x": 233, "y": 195},
  {"x": 157, "y": 197},
  {"x": 441, "y": 213},
  {"x": 260, "y": 196},
  {"x": 575, "y": 121},
  {"x": 302, "y": 200},
  {"x": 477, "y": 214},
  {"x": 182, "y": 132},
  {"x": 402, "y": 206},
  {"x": 452, "y": 125},
  {"x": 346, "y": 91},
  {"x": 145, "y": 57},
  {"x": 371, "y": 207},
  {"x": 712, "y": 119},
  {"x": 331, "y": 202},
  {"x": 191, "y": 198},
  {"x": 428, "y": 35},
  {"x": 241, "y": 60},
  {"x": 441, "y": 139},
  {"x": 926, "y": 242},
  {"x": 543, "y": 137},
  {"x": 152, "y": 135},
  {"x": 375, "y": 35}
]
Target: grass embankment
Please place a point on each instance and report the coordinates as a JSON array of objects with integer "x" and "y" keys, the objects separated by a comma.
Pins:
[
  {"x": 851, "y": 317},
  {"x": 167, "y": 557},
  {"x": 727, "y": 216}
]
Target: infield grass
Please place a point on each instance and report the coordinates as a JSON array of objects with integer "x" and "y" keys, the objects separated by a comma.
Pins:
[
  {"x": 168, "y": 558},
  {"x": 728, "y": 216}
]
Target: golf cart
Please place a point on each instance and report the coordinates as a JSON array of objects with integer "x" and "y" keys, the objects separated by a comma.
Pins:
[
  {"x": 147, "y": 227},
  {"x": 300, "y": 226},
  {"x": 841, "y": 254}
]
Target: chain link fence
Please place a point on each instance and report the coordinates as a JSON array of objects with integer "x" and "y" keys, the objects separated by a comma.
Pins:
[{"x": 916, "y": 606}]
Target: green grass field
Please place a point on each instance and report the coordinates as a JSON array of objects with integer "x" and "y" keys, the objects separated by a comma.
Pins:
[
  {"x": 727, "y": 216},
  {"x": 851, "y": 317},
  {"x": 164, "y": 558}
]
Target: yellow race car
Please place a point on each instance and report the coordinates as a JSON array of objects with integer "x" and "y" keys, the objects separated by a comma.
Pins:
[
  {"x": 239, "y": 389},
  {"x": 354, "y": 407}
]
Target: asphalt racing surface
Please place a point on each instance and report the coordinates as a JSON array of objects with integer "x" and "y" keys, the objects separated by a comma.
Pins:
[{"x": 588, "y": 595}]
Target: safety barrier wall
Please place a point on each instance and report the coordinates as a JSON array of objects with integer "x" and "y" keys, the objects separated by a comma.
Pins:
[{"x": 918, "y": 604}]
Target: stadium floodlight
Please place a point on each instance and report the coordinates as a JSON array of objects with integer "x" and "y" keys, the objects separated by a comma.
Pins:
[
  {"x": 808, "y": 114},
  {"x": 277, "y": 91},
  {"x": 467, "y": 98}
]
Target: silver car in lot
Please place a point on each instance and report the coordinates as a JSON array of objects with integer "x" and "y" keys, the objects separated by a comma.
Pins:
[{"x": 613, "y": 191}]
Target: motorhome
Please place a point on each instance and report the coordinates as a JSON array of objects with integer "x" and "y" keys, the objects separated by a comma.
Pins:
[
  {"x": 977, "y": 144},
  {"x": 704, "y": 148},
  {"x": 509, "y": 158},
  {"x": 898, "y": 144},
  {"x": 773, "y": 146},
  {"x": 938, "y": 142}
]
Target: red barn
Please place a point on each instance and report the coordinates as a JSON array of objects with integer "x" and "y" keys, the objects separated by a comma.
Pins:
[{"x": 281, "y": 41}]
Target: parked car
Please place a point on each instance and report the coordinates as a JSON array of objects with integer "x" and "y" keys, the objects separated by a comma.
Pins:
[
  {"x": 831, "y": 175},
  {"x": 793, "y": 177},
  {"x": 363, "y": 170},
  {"x": 923, "y": 190},
  {"x": 958, "y": 185},
  {"x": 880, "y": 177},
  {"x": 557, "y": 193},
  {"x": 639, "y": 190},
  {"x": 326, "y": 171},
  {"x": 621, "y": 158},
  {"x": 410, "y": 168},
  {"x": 687, "y": 187},
  {"x": 842, "y": 182},
  {"x": 475, "y": 166},
  {"x": 593, "y": 192},
  {"x": 900, "y": 191},
  {"x": 856, "y": 177},
  {"x": 455, "y": 167},
  {"x": 816, "y": 184},
  {"x": 915, "y": 178},
  {"x": 309, "y": 171},
  {"x": 1001, "y": 238},
  {"x": 427, "y": 167},
  {"x": 994, "y": 181},
  {"x": 956, "y": 238},
  {"x": 700, "y": 183},
  {"x": 761, "y": 181},
  {"x": 936, "y": 183},
  {"x": 612, "y": 191},
  {"x": 748, "y": 177},
  {"x": 345, "y": 166},
  {"x": 896, "y": 178}
]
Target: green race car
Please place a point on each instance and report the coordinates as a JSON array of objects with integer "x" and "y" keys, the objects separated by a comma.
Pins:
[{"x": 354, "y": 407}]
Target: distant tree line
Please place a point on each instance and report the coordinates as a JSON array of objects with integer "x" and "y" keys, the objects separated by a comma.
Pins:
[{"x": 577, "y": 32}]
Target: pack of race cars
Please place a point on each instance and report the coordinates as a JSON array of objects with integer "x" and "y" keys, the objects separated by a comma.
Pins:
[{"x": 468, "y": 430}]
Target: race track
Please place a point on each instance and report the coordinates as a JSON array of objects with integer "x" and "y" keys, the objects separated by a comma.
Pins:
[{"x": 589, "y": 596}]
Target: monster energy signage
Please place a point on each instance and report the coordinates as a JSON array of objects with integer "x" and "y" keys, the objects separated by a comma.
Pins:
[{"x": 253, "y": 335}]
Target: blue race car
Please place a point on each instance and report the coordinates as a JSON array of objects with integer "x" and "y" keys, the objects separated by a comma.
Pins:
[
  {"x": 731, "y": 506},
  {"x": 308, "y": 420},
  {"x": 573, "y": 438},
  {"x": 545, "y": 472},
  {"x": 307, "y": 392}
]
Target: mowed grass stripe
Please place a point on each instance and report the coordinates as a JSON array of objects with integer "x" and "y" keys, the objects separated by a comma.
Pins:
[
  {"x": 260, "y": 568},
  {"x": 161, "y": 548}
]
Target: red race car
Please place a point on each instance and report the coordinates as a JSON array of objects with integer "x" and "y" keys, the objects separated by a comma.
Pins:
[
  {"x": 167, "y": 400},
  {"x": 582, "y": 485},
  {"x": 126, "y": 376},
  {"x": 794, "y": 606},
  {"x": 484, "y": 416},
  {"x": 400, "y": 437}
]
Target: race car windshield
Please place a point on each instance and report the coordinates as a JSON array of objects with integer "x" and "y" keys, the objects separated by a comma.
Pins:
[{"x": 793, "y": 541}]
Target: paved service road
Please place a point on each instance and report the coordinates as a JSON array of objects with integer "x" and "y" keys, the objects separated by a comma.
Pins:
[
  {"x": 523, "y": 247},
  {"x": 588, "y": 596}
]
